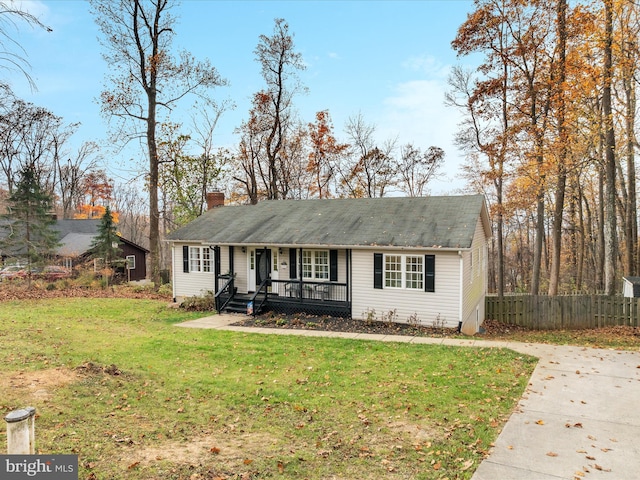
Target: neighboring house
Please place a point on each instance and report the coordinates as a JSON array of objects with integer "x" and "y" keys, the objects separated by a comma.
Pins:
[
  {"x": 631, "y": 287},
  {"x": 75, "y": 239},
  {"x": 411, "y": 260}
]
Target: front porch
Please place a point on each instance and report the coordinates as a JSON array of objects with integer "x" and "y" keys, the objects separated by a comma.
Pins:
[{"x": 285, "y": 296}]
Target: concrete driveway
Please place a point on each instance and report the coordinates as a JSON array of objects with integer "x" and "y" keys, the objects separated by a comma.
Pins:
[{"x": 579, "y": 417}]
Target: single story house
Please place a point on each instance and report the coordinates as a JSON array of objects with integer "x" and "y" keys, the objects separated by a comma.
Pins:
[
  {"x": 411, "y": 260},
  {"x": 76, "y": 238}
]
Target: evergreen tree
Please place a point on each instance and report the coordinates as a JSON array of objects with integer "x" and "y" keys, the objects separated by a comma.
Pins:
[
  {"x": 29, "y": 221},
  {"x": 106, "y": 244}
]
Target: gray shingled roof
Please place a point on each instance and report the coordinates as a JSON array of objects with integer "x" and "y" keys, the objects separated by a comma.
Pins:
[
  {"x": 75, "y": 244},
  {"x": 441, "y": 222}
]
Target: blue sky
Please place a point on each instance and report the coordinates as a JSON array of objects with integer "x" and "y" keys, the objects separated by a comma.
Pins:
[{"x": 387, "y": 60}]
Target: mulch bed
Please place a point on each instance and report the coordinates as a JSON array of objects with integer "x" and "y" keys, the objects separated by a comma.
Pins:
[
  {"x": 338, "y": 324},
  {"x": 491, "y": 328}
]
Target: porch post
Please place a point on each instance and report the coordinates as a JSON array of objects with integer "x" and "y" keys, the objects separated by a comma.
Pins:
[
  {"x": 348, "y": 292},
  {"x": 216, "y": 266},
  {"x": 300, "y": 275}
]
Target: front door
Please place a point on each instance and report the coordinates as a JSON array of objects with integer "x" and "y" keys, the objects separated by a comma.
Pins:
[{"x": 263, "y": 265}]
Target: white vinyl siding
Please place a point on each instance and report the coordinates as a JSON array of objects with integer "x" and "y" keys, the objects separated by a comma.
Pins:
[
  {"x": 427, "y": 307},
  {"x": 192, "y": 283},
  {"x": 475, "y": 279}
]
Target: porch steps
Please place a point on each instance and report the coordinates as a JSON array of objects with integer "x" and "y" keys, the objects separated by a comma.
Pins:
[{"x": 238, "y": 304}]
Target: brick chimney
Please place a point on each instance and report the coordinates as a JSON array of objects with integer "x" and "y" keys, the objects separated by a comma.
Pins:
[{"x": 215, "y": 199}]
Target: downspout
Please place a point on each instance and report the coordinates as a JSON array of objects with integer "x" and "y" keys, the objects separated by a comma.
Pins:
[
  {"x": 173, "y": 271},
  {"x": 461, "y": 299}
]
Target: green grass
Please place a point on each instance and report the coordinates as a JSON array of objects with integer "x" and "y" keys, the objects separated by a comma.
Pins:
[{"x": 196, "y": 404}]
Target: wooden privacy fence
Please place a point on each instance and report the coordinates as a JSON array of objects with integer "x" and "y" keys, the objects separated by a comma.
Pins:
[{"x": 542, "y": 312}]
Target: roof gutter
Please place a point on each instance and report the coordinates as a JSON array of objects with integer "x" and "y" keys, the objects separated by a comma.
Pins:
[{"x": 316, "y": 246}]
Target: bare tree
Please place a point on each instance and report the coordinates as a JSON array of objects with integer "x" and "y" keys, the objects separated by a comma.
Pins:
[
  {"x": 146, "y": 77},
  {"x": 71, "y": 175},
  {"x": 31, "y": 137},
  {"x": 369, "y": 169},
  {"x": 280, "y": 64},
  {"x": 132, "y": 216},
  {"x": 11, "y": 15},
  {"x": 416, "y": 169}
]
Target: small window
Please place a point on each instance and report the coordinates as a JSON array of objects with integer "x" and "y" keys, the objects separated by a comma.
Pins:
[
  {"x": 393, "y": 271},
  {"x": 131, "y": 262},
  {"x": 206, "y": 259},
  {"x": 275, "y": 260},
  {"x": 194, "y": 259},
  {"x": 321, "y": 265},
  {"x": 307, "y": 266},
  {"x": 199, "y": 259},
  {"x": 413, "y": 272}
]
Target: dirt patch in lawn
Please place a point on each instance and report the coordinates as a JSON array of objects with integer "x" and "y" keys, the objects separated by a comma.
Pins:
[
  {"x": 226, "y": 454},
  {"x": 36, "y": 385}
]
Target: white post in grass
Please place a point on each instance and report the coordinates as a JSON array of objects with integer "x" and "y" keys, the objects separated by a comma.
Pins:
[{"x": 21, "y": 431}]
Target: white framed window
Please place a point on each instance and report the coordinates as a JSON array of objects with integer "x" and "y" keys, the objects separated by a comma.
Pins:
[
  {"x": 131, "y": 262},
  {"x": 199, "y": 259},
  {"x": 315, "y": 264},
  {"x": 275, "y": 260},
  {"x": 414, "y": 272},
  {"x": 404, "y": 271},
  {"x": 393, "y": 271}
]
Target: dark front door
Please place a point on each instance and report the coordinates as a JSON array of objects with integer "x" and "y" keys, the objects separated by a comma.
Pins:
[{"x": 263, "y": 266}]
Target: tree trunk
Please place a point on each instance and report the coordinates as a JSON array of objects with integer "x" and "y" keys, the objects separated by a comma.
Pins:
[
  {"x": 537, "y": 248},
  {"x": 610, "y": 222},
  {"x": 556, "y": 233},
  {"x": 631, "y": 212}
]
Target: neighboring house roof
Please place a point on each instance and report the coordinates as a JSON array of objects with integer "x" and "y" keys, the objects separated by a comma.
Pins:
[
  {"x": 66, "y": 226},
  {"x": 75, "y": 244},
  {"x": 429, "y": 222},
  {"x": 76, "y": 236}
]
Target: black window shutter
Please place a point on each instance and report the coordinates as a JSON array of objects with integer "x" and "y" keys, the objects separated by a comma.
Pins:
[
  {"x": 378, "y": 272},
  {"x": 185, "y": 259},
  {"x": 429, "y": 273},
  {"x": 333, "y": 265},
  {"x": 293, "y": 263}
]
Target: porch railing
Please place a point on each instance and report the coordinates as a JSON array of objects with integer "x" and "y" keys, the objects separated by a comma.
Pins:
[
  {"x": 225, "y": 294},
  {"x": 261, "y": 290},
  {"x": 304, "y": 290}
]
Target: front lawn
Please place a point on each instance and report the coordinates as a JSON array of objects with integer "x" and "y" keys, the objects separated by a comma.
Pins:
[{"x": 115, "y": 382}]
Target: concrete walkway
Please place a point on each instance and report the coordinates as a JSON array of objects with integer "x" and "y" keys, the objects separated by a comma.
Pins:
[{"x": 578, "y": 418}]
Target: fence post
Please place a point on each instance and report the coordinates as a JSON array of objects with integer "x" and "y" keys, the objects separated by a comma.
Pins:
[{"x": 21, "y": 431}]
